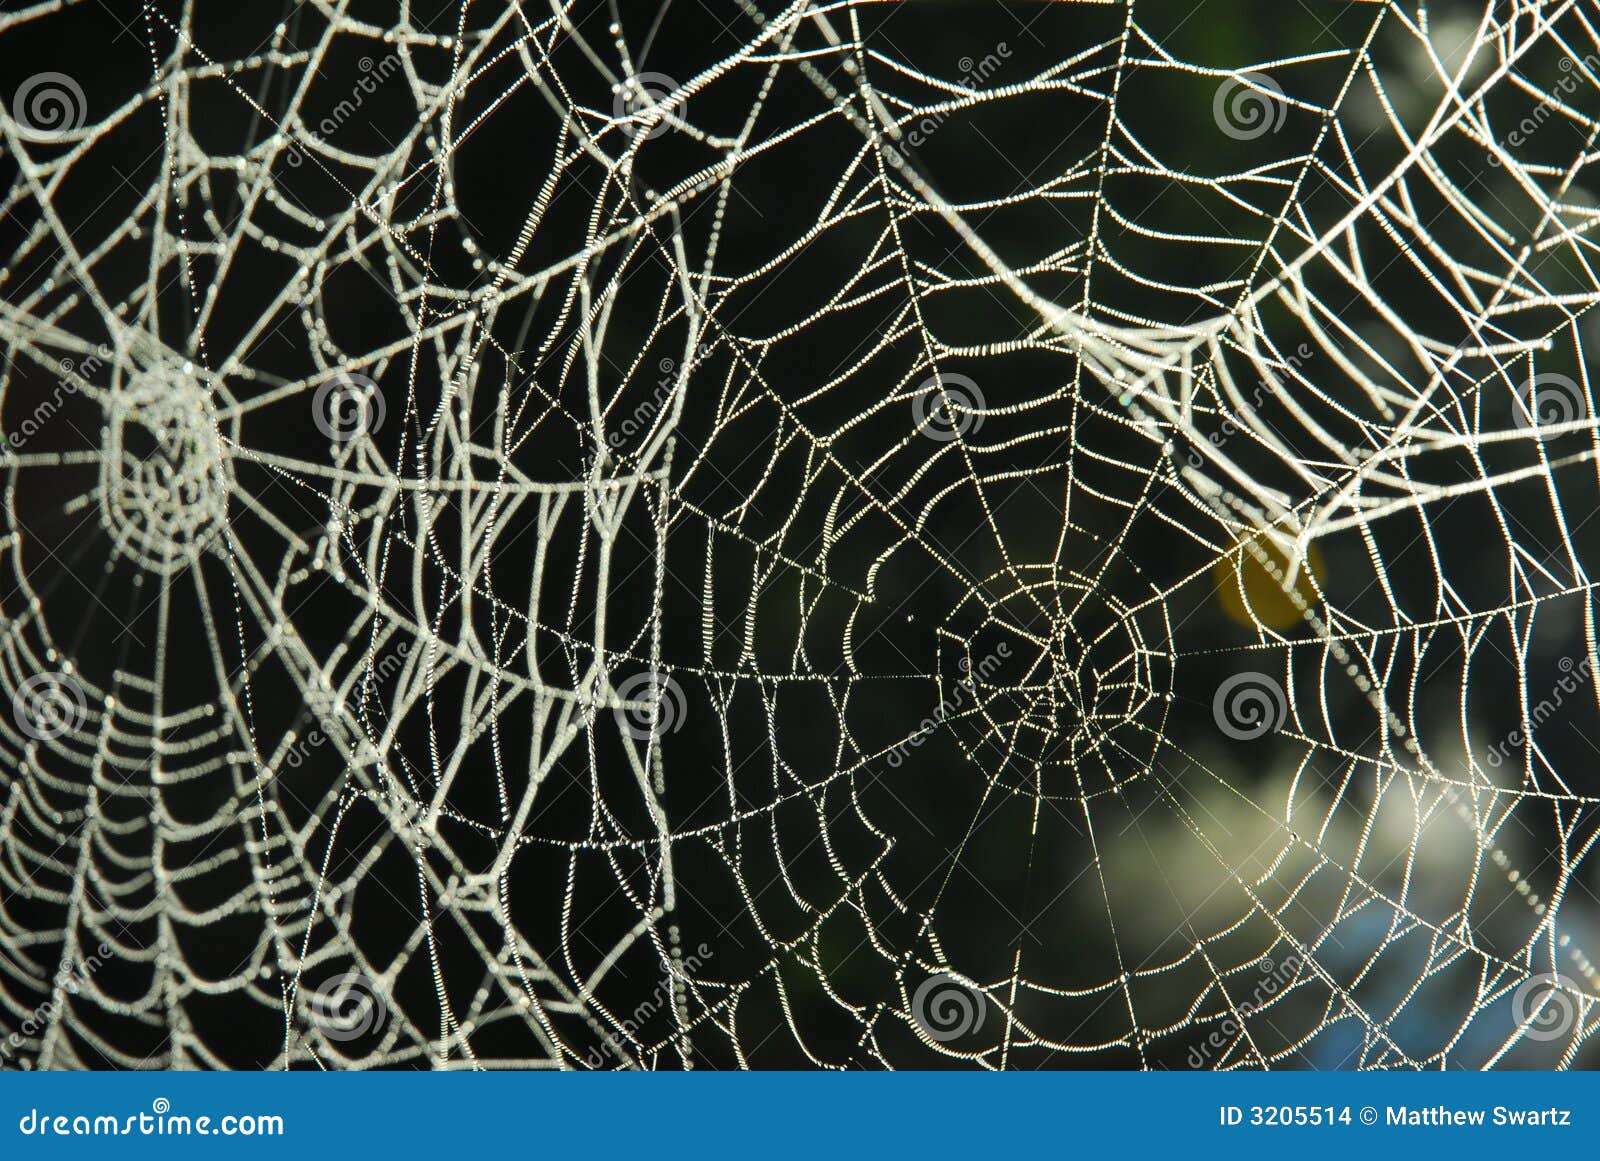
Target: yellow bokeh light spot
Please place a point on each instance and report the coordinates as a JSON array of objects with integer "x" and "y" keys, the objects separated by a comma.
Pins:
[{"x": 1250, "y": 584}]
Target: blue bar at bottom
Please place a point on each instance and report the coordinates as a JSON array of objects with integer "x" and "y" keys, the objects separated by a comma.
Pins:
[{"x": 702, "y": 1116}]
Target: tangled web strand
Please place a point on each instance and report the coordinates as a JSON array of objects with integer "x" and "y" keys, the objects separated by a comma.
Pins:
[{"x": 834, "y": 535}]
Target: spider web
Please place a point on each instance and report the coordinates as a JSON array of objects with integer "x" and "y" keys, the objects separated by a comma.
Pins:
[{"x": 841, "y": 535}]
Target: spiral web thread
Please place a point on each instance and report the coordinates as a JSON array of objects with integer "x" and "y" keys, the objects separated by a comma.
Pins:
[{"x": 597, "y": 496}]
